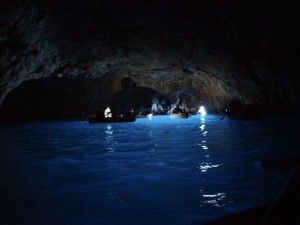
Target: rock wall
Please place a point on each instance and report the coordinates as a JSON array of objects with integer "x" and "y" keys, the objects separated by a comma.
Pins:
[{"x": 212, "y": 51}]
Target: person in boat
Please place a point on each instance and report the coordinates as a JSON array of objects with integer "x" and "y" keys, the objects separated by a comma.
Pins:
[
  {"x": 100, "y": 113},
  {"x": 129, "y": 113},
  {"x": 177, "y": 109},
  {"x": 180, "y": 107}
]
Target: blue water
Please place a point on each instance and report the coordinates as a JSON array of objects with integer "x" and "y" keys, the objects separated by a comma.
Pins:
[{"x": 151, "y": 172}]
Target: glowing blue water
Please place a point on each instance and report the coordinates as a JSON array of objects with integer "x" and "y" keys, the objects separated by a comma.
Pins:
[{"x": 155, "y": 172}]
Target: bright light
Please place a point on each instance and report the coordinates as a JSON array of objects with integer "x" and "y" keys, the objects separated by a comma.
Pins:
[
  {"x": 150, "y": 116},
  {"x": 205, "y": 166},
  {"x": 202, "y": 127},
  {"x": 202, "y": 111},
  {"x": 107, "y": 112}
]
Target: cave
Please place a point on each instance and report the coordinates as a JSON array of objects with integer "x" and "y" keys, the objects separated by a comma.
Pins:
[
  {"x": 210, "y": 52},
  {"x": 62, "y": 61}
]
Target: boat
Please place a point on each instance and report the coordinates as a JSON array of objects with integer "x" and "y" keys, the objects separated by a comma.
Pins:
[
  {"x": 117, "y": 119},
  {"x": 178, "y": 112},
  {"x": 108, "y": 117},
  {"x": 180, "y": 115},
  {"x": 237, "y": 110},
  {"x": 148, "y": 115}
]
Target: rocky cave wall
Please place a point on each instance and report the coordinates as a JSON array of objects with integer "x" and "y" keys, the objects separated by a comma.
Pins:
[{"x": 212, "y": 52}]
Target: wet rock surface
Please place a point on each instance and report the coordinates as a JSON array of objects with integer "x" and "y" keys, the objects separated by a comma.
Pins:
[{"x": 210, "y": 52}]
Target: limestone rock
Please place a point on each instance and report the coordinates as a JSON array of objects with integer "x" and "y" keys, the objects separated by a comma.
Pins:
[{"x": 210, "y": 51}]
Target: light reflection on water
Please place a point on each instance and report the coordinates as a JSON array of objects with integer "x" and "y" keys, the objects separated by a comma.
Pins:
[
  {"x": 217, "y": 199},
  {"x": 109, "y": 137},
  {"x": 203, "y": 167},
  {"x": 158, "y": 171}
]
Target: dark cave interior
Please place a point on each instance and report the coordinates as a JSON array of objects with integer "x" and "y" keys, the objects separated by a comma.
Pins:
[{"x": 60, "y": 58}]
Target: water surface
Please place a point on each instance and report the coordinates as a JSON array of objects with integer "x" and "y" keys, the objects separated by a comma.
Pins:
[{"x": 151, "y": 172}]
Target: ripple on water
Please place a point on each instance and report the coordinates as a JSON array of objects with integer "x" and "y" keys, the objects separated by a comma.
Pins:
[{"x": 159, "y": 171}]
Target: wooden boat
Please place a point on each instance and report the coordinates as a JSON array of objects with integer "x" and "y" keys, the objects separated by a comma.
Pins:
[
  {"x": 180, "y": 115},
  {"x": 117, "y": 119}
]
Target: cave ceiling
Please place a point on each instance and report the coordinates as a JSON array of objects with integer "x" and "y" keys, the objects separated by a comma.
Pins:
[{"x": 211, "y": 51}]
